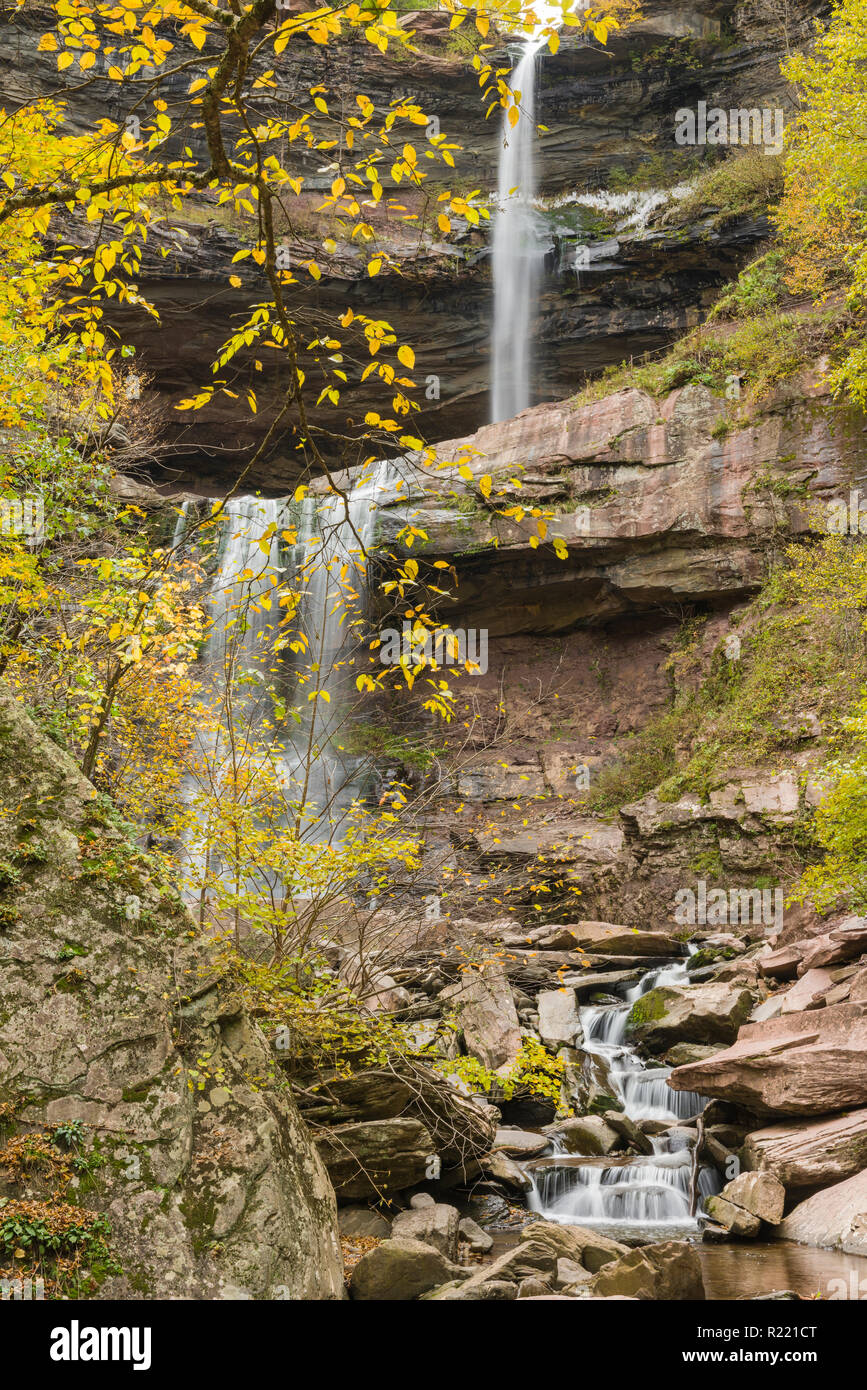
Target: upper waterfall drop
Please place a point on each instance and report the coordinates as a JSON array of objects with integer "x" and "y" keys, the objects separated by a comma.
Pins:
[{"x": 517, "y": 253}]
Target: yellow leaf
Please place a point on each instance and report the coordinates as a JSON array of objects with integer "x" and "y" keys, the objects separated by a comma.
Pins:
[
  {"x": 485, "y": 485},
  {"x": 406, "y": 355},
  {"x": 64, "y": 61},
  {"x": 235, "y": 280},
  {"x": 444, "y": 223},
  {"x": 374, "y": 266},
  {"x": 197, "y": 36}
]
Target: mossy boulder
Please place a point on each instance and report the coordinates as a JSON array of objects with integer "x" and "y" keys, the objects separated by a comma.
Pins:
[
  {"x": 208, "y": 1180},
  {"x": 707, "y": 1013}
]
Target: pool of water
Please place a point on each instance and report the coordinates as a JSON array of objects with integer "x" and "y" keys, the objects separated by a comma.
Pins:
[{"x": 743, "y": 1270}]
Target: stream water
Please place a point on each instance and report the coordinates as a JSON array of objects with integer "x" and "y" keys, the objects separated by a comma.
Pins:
[{"x": 633, "y": 1193}]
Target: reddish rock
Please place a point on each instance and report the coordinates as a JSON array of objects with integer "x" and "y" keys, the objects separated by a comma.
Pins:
[
  {"x": 799, "y": 1064},
  {"x": 835, "y": 1218},
  {"x": 807, "y": 1153}
]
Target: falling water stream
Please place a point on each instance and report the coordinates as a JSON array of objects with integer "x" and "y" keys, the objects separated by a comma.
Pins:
[
  {"x": 517, "y": 252},
  {"x": 257, "y": 561},
  {"x": 629, "y": 1193}
]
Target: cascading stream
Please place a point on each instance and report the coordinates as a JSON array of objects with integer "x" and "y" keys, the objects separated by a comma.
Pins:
[
  {"x": 634, "y": 1192},
  {"x": 517, "y": 251}
]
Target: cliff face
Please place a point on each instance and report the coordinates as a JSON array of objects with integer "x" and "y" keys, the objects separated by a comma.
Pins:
[
  {"x": 658, "y": 503},
  {"x": 610, "y": 118},
  {"x": 193, "y": 1176}
]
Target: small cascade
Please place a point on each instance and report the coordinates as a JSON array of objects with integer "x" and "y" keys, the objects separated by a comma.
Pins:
[
  {"x": 517, "y": 250},
  {"x": 632, "y": 1191}
]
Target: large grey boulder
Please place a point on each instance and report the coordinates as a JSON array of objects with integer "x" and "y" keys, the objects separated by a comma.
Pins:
[
  {"x": 400, "y": 1270},
  {"x": 688, "y": 1013},
  {"x": 486, "y": 1014},
  {"x": 668, "y": 1270},
  {"x": 590, "y": 1135},
  {"x": 746, "y": 1202},
  {"x": 558, "y": 1017},
  {"x": 376, "y": 1158},
  {"x": 435, "y": 1225},
  {"x": 610, "y": 939},
  {"x": 113, "y": 1016}
]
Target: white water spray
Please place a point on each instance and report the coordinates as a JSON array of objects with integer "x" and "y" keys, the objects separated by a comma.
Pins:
[
  {"x": 649, "y": 1190},
  {"x": 516, "y": 249}
]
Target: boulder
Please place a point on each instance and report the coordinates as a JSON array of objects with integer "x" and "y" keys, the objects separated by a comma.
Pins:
[
  {"x": 628, "y": 1131},
  {"x": 731, "y": 1218},
  {"x": 810, "y": 1153},
  {"x": 482, "y": 1291},
  {"x": 506, "y": 1171},
  {"x": 799, "y": 1064},
  {"x": 559, "y": 1023},
  {"x": 485, "y": 1010},
  {"x": 747, "y": 1201},
  {"x": 841, "y": 943},
  {"x": 669, "y": 1270},
  {"x": 435, "y": 1225},
  {"x": 586, "y": 1134},
  {"x": 835, "y": 1218},
  {"x": 363, "y": 1221},
  {"x": 807, "y": 993},
  {"x": 569, "y": 1275},
  {"x": 759, "y": 1193},
  {"x": 479, "y": 1242},
  {"x": 688, "y": 1013},
  {"x": 610, "y": 939},
  {"x": 400, "y": 1270},
  {"x": 782, "y": 963},
  {"x": 520, "y": 1143},
  {"x": 365, "y": 1095},
  {"x": 583, "y": 1246},
  {"x": 211, "y": 1187},
  {"x": 419, "y": 1200},
  {"x": 533, "y": 1287},
  {"x": 375, "y": 1158}
]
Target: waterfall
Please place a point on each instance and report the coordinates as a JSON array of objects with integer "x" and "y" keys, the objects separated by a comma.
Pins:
[
  {"x": 333, "y": 535},
  {"x": 243, "y": 619},
  {"x": 516, "y": 249},
  {"x": 648, "y": 1190},
  {"x": 326, "y": 565}
]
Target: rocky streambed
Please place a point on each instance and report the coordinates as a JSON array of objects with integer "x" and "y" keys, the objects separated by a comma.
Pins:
[{"x": 708, "y": 1152}]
